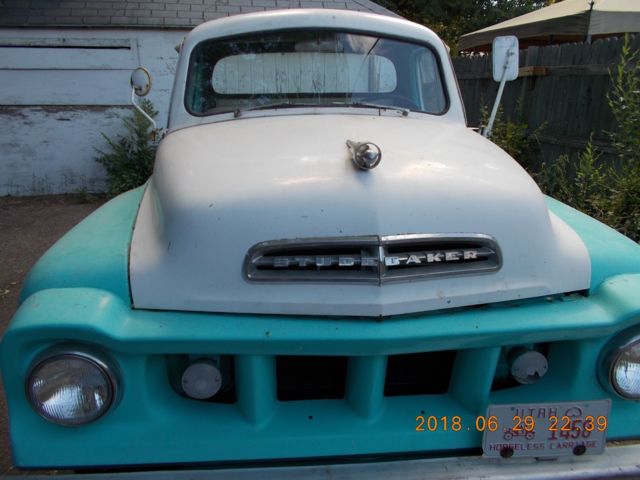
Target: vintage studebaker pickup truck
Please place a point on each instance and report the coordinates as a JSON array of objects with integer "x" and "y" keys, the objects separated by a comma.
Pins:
[{"x": 327, "y": 265}]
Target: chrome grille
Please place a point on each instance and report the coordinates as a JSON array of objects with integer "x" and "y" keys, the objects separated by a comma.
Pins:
[{"x": 371, "y": 258}]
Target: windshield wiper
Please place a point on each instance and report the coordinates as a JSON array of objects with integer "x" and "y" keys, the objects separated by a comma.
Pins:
[
  {"x": 404, "y": 111},
  {"x": 239, "y": 111}
]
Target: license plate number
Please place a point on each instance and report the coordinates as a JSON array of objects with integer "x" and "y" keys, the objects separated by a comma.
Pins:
[{"x": 546, "y": 429}]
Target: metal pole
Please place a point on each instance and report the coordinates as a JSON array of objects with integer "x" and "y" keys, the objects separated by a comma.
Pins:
[
  {"x": 487, "y": 130},
  {"x": 133, "y": 102},
  {"x": 588, "y": 39}
]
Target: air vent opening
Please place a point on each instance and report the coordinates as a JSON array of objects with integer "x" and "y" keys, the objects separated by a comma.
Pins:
[
  {"x": 310, "y": 378},
  {"x": 419, "y": 373}
]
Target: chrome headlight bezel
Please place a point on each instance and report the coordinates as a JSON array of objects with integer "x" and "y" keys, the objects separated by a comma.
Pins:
[
  {"x": 97, "y": 360},
  {"x": 609, "y": 358}
]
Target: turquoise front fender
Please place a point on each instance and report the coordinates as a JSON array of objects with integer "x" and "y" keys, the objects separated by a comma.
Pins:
[
  {"x": 611, "y": 253},
  {"x": 94, "y": 254},
  {"x": 78, "y": 294},
  {"x": 152, "y": 424}
]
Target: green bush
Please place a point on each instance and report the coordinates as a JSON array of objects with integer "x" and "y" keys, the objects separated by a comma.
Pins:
[
  {"x": 129, "y": 159},
  {"x": 608, "y": 191},
  {"x": 624, "y": 203},
  {"x": 517, "y": 139},
  {"x": 583, "y": 183},
  {"x": 624, "y": 101}
]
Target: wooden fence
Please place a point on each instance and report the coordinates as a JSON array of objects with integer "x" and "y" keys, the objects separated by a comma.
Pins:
[{"x": 560, "y": 87}]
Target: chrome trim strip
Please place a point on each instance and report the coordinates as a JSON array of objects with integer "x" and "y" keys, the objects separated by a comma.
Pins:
[
  {"x": 426, "y": 255},
  {"x": 410, "y": 237},
  {"x": 615, "y": 462}
]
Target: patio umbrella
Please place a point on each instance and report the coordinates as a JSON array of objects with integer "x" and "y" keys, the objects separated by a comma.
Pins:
[{"x": 566, "y": 21}]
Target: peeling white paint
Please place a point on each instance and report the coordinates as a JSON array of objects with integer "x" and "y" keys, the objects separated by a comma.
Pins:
[
  {"x": 55, "y": 103},
  {"x": 47, "y": 150}
]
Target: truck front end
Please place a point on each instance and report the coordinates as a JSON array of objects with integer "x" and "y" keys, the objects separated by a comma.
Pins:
[{"x": 326, "y": 264}]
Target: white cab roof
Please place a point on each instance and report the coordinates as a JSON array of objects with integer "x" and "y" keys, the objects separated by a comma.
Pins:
[{"x": 307, "y": 19}]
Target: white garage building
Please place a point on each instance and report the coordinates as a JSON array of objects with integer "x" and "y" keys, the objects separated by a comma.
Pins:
[{"x": 64, "y": 78}]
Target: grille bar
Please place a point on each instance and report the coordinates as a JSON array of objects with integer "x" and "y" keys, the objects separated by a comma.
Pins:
[
  {"x": 472, "y": 376},
  {"x": 372, "y": 259},
  {"x": 256, "y": 387},
  {"x": 365, "y": 385}
]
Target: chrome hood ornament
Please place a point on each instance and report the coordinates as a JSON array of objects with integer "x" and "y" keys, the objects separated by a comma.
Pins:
[{"x": 364, "y": 155}]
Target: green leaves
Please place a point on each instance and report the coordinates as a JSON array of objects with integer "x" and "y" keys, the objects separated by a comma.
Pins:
[
  {"x": 129, "y": 159},
  {"x": 624, "y": 101},
  {"x": 514, "y": 138},
  {"x": 584, "y": 183},
  {"x": 450, "y": 19},
  {"x": 608, "y": 191}
]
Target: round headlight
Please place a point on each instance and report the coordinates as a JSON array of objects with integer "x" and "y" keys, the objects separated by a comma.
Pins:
[
  {"x": 622, "y": 365},
  {"x": 625, "y": 372},
  {"x": 71, "y": 388}
]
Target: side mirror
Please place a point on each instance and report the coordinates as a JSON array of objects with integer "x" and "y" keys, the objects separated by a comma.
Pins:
[
  {"x": 141, "y": 81},
  {"x": 505, "y": 68},
  {"x": 140, "y": 86},
  {"x": 505, "y": 58}
]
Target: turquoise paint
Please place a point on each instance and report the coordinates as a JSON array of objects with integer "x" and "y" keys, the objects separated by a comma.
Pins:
[
  {"x": 152, "y": 424},
  {"x": 611, "y": 252},
  {"x": 365, "y": 385},
  {"x": 470, "y": 384},
  {"x": 95, "y": 253},
  {"x": 256, "y": 387},
  {"x": 100, "y": 317},
  {"x": 78, "y": 293}
]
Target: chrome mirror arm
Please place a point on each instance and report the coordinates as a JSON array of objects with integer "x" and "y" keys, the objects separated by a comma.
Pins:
[{"x": 145, "y": 114}]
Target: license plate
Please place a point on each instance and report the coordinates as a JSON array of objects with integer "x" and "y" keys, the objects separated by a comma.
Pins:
[{"x": 546, "y": 429}]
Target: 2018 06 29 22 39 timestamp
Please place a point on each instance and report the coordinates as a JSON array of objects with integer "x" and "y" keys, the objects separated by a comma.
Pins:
[
  {"x": 557, "y": 427},
  {"x": 550, "y": 429}
]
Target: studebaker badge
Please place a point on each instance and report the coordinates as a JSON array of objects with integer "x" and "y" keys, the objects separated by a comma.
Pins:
[{"x": 372, "y": 258}]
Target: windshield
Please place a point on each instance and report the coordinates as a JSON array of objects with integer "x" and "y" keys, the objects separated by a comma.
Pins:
[{"x": 312, "y": 68}]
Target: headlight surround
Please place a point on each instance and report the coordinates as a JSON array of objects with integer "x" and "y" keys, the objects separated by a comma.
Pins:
[
  {"x": 71, "y": 388},
  {"x": 620, "y": 367}
]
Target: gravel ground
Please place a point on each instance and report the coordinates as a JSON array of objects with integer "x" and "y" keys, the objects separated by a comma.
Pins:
[{"x": 28, "y": 226}]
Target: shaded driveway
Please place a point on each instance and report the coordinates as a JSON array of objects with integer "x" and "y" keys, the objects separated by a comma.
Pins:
[{"x": 28, "y": 226}]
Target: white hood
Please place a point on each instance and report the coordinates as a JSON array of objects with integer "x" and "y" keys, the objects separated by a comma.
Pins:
[{"x": 219, "y": 189}]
